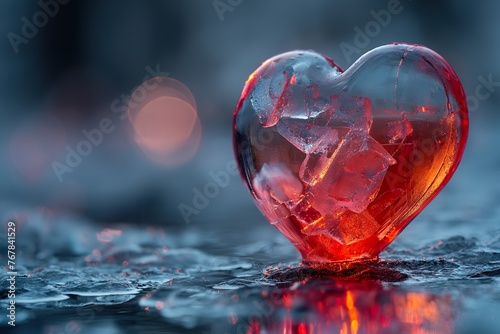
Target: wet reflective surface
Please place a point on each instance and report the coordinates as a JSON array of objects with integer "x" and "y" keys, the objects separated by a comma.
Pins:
[{"x": 239, "y": 275}]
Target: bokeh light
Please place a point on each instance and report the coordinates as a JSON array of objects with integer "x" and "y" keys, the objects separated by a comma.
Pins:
[{"x": 164, "y": 118}]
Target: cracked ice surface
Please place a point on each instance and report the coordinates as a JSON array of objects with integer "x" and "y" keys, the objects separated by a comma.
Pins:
[
  {"x": 344, "y": 226},
  {"x": 318, "y": 127},
  {"x": 276, "y": 185},
  {"x": 352, "y": 111},
  {"x": 353, "y": 177},
  {"x": 286, "y": 83},
  {"x": 343, "y": 167},
  {"x": 266, "y": 98},
  {"x": 397, "y": 131},
  {"x": 348, "y": 182},
  {"x": 307, "y": 138},
  {"x": 361, "y": 177}
]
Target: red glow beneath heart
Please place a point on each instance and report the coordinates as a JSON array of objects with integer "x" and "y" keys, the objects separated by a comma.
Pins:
[
  {"x": 353, "y": 307},
  {"x": 340, "y": 162}
]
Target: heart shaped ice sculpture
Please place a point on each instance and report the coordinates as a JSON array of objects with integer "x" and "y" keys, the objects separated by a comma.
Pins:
[{"x": 340, "y": 162}]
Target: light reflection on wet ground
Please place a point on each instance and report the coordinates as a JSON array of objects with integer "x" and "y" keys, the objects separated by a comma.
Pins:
[{"x": 133, "y": 280}]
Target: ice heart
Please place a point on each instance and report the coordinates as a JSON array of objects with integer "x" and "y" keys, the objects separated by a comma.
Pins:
[{"x": 340, "y": 162}]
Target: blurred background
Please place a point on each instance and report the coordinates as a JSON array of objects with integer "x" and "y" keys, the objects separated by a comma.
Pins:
[{"x": 61, "y": 71}]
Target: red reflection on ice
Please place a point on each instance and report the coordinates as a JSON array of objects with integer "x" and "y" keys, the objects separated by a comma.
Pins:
[
  {"x": 352, "y": 308},
  {"x": 165, "y": 122}
]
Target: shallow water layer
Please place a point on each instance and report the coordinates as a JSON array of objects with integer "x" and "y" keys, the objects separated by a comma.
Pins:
[{"x": 137, "y": 281}]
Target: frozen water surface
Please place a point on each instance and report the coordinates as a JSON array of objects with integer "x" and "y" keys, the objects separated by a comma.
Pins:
[{"x": 442, "y": 275}]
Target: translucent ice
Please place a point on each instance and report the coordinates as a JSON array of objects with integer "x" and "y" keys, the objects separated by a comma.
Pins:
[
  {"x": 397, "y": 131},
  {"x": 307, "y": 138},
  {"x": 268, "y": 95},
  {"x": 355, "y": 154},
  {"x": 351, "y": 111},
  {"x": 275, "y": 185},
  {"x": 345, "y": 226},
  {"x": 361, "y": 177}
]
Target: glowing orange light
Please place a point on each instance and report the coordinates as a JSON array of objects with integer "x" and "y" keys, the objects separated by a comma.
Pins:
[
  {"x": 165, "y": 121},
  {"x": 250, "y": 78},
  {"x": 353, "y": 313},
  {"x": 343, "y": 330},
  {"x": 350, "y": 308},
  {"x": 419, "y": 309},
  {"x": 429, "y": 109}
]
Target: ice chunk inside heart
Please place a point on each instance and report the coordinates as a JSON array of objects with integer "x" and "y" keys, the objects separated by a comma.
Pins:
[{"x": 350, "y": 157}]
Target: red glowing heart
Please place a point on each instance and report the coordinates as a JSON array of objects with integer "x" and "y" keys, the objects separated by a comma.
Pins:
[{"x": 340, "y": 162}]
